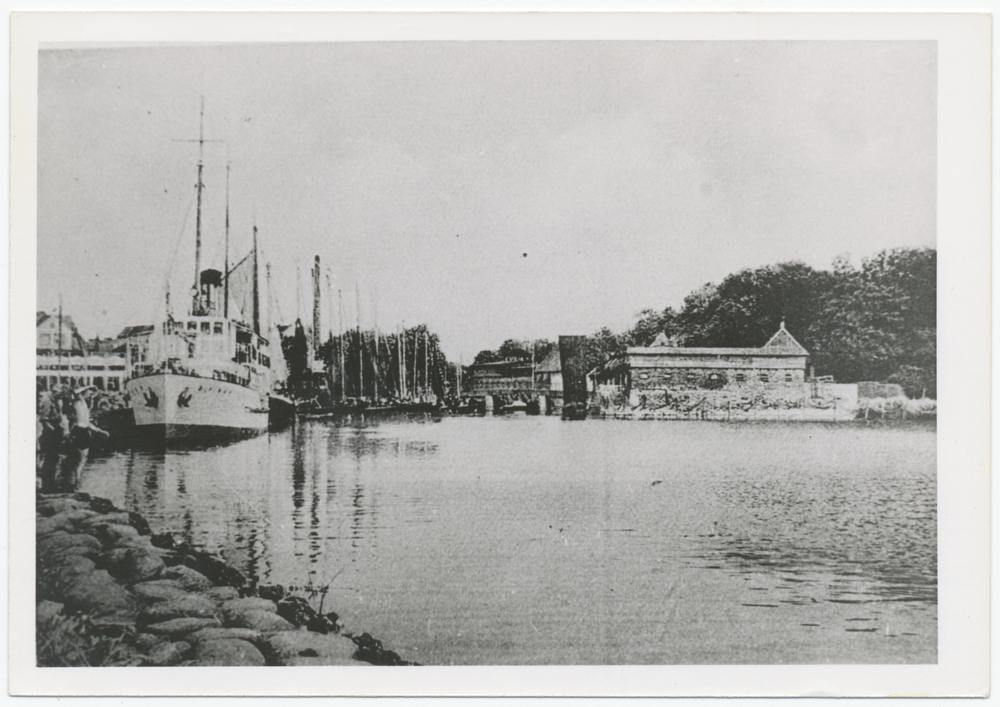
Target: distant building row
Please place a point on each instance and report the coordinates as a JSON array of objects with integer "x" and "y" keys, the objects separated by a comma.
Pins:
[
  {"x": 63, "y": 356},
  {"x": 671, "y": 381}
]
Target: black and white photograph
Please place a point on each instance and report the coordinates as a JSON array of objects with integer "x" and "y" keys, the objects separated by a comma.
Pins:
[{"x": 420, "y": 352}]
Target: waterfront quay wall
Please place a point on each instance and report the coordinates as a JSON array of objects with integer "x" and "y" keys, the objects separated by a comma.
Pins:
[
  {"x": 759, "y": 401},
  {"x": 110, "y": 593}
]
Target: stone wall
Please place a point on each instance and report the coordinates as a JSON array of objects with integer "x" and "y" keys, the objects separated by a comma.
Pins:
[
  {"x": 738, "y": 380},
  {"x": 753, "y": 402}
]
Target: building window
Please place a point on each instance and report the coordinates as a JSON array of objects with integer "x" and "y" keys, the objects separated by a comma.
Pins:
[
  {"x": 741, "y": 378},
  {"x": 692, "y": 377},
  {"x": 643, "y": 376},
  {"x": 763, "y": 378},
  {"x": 192, "y": 326},
  {"x": 206, "y": 327},
  {"x": 788, "y": 377},
  {"x": 218, "y": 327}
]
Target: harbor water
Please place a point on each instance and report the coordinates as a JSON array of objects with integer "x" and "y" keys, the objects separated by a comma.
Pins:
[{"x": 529, "y": 540}]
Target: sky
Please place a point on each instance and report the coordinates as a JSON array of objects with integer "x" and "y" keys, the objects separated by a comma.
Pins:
[{"x": 491, "y": 190}]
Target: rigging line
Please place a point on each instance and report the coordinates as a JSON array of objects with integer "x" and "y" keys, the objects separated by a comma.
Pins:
[
  {"x": 173, "y": 258},
  {"x": 233, "y": 269},
  {"x": 180, "y": 236},
  {"x": 277, "y": 307}
]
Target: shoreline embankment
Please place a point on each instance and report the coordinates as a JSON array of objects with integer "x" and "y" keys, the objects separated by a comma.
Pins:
[{"x": 109, "y": 592}]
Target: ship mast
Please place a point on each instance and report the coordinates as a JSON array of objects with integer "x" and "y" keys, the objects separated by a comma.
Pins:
[
  {"x": 225, "y": 292},
  {"x": 196, "y": 304}
]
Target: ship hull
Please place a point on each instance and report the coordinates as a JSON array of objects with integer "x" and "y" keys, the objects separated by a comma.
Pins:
[{"x": 172, "y": 406}]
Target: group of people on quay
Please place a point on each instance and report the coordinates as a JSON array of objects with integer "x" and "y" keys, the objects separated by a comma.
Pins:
[{"x": 65, "y": 433}]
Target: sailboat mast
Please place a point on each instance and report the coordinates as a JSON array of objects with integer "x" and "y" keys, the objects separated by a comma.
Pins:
[
  {"x": 60, "y": 344},
  {"x": 340, "y": 347},
  {"x": 375, "y": 368},
  {"x": 426, "y": 382},
  {"x": 316, "y": 308},
  {"x": 361, "y": 342},
  {"x": 400, "y": 371},
  {"x": 415, "y": 381},
  {"x": 196, "y": 304},
  {"x": 225, "y": 292},
  {"x": 256, "y": 289}
]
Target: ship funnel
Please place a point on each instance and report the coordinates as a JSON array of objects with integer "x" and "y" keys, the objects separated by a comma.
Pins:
[{"x": 210, "y": 279}]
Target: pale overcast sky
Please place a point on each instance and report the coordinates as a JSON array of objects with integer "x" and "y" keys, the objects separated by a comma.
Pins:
[{"x": 490, "y": 189}]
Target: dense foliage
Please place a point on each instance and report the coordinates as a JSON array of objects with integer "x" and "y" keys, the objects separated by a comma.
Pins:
[
  {"x": 369, "y": 364},
  {"x": 876, "y": 322},
  {"x": 520, "y": 350}
]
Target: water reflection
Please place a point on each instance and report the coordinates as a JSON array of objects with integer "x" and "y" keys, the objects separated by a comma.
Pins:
[{"x": 531, "y": 541}]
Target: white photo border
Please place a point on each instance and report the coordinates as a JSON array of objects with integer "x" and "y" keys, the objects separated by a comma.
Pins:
[{"x": 963, "y": 243}]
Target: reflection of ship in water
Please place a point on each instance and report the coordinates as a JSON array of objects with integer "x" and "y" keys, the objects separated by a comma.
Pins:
[{"x": 295, "y": 507}]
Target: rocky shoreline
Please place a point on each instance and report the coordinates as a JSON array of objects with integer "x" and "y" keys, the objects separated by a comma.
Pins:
[{"x": 111, "y": 593}]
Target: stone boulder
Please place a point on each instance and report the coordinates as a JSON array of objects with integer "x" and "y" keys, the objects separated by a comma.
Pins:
[
  {"x": 116, "y": 534},
  {"x": 236, "y": 606},
  {"x": 192, "y": 606},
  {"x": 134, "y": 565},
  {"x": 97, "y": 594},
  {"x": 222, "y": 593},
  {"x": 60, "y": 539},
  {"x": 115, "y": 518},
  {"x": 57, "y": 503},
  {"x": 146, "y": 642},
  {"x": 216, "y": 634},
  {"x": 58, "y": 556},
  {"x": 65, "y": 520},
  {"x": 167, "y": 653},
  {"x": 225, "y": 652},
  {"x": 179, "y": 628},
  {"x": 158, "y": 590},
  {"x": 306, "y": 648},
  {"x": 189, "y": 579},
  {"x": 258, "y": 620},
  {"x": 59, "y": 576}
]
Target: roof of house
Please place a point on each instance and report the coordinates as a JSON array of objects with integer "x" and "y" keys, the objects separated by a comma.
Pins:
[
  {"x": 784, "y": 341},
  {"x": 781, "y": 344},
  {"x": 133, "y": 330},
  {"x": 551, "y": 363},
  {"x": 67, "y": 320},
  {"x": 509, "y": 363}
]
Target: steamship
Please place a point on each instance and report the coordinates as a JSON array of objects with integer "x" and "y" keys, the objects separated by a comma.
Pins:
[{"x": 205, "y": 374}]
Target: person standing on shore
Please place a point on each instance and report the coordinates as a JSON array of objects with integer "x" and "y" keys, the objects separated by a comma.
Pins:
[
  {"x": 50, "y": 437},
  {"x": 81, "y": 435}
]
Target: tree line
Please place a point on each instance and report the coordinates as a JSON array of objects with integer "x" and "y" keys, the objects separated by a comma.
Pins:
[{"x": 874, "y": 322}]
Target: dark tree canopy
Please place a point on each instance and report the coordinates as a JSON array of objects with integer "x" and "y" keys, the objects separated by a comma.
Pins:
[{"x": 877, "y": 322}]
